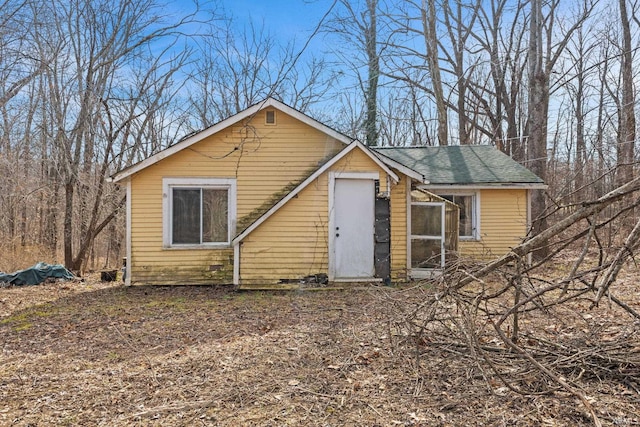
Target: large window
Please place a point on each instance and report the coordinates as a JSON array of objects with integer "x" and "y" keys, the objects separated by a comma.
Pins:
[
  {"x": 468, "y": 226},
  {"x": 198, "y": 212}
]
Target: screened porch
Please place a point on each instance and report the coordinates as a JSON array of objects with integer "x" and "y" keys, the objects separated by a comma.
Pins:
[{"x": 434, "y": 223}]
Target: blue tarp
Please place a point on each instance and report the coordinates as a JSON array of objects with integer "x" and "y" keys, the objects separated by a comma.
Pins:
[{"x": 36, "y": 274}]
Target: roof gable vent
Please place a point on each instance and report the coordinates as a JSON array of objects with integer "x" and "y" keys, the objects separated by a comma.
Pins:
[{"x": 270, "y": 117}]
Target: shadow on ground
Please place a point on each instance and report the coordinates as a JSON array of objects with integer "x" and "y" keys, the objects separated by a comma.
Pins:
[{"x": 118, "y": 323}]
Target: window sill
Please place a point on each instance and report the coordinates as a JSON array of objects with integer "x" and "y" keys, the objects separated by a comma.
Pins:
[{"x": 197, "y": 247}]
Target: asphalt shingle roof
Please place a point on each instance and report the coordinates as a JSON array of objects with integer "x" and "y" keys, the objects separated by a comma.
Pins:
[{"x": 463, "y": 164}]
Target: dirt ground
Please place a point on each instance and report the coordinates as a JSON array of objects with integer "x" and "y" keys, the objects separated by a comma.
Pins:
[{"x": 98, "y": 354}]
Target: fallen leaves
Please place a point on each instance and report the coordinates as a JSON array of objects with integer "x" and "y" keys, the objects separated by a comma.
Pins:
[{"x": 204, "y": 356}]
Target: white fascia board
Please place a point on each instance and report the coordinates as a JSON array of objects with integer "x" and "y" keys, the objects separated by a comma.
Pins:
[
  {"x": 251, "y": 111},
  {"x": 310, "y": 179},
  {"x": 236, "y": 264}
]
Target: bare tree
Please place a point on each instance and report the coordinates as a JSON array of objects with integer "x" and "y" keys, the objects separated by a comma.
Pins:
[
  {"x": 500, "y": 96},
  {"x": 605, "y": 118},
  {"x": 357, "y": 26},
  {"x": 237, "y": 70},
  {"x": 234, "y": 72},
  {"x": 459, "y": 22},
  {"x": 373, "y": 70},
  {"x": 18, "y": 67},
  {"x": 543, "y": 54},
  {"x": 93, "y": 58},
  {"x": 627, "y": 131},
  {"x": 21, "y": 65},
  {"x": 430, "y": 33},
  {"x": 539, "y": 74},
  {"x": 578, "y": 90}
]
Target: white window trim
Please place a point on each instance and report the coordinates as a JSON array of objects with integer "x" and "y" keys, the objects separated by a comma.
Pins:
[
  {"x": 475, "y": 220},
  {"x": 214, "y": 183}
]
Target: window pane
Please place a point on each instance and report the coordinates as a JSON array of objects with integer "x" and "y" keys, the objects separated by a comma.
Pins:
[
  {"x": 186, "y": 216},
  {"x": 214, "y": 215},
  {"x": 452, "y": 219},
  {"x": 466, "y": 213},
  {"x": 425, "y": 253},
  {"x": 466, "y": 209},
  {"x": 426, "y": 220}
]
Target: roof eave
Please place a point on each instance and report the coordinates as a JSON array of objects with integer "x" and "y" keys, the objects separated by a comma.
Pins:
[{"x": 489, "y": 185}]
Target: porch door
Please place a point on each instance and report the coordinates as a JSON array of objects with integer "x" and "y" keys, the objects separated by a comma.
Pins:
[
  {"x": 353, "y": 228},
  {"x": 427, "y": 235}
]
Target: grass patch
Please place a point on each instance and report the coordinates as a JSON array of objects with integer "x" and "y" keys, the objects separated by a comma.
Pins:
[
  {"x": 24, "y": 326},
  {"x": 174, "y": 303},
  {"x": 24, "y": 320}
]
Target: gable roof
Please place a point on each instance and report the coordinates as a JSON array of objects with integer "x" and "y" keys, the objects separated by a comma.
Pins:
[
  {"x": 470, "y": 165},
  {"x": 247, "y": 113},
  {"x": 293, "y": 193}
]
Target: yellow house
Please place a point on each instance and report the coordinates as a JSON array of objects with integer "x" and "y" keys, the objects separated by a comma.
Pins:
[{"x": 271, "y": 197}]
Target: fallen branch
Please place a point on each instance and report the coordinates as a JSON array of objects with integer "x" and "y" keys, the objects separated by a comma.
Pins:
[{"x": 624, "y": 253}]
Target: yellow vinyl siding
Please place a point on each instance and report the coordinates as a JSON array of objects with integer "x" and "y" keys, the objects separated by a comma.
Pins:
[
  {"x": 503, "y": 223},
  {"x": 262, "y": 158},
  {"x": 294, "y": 241},
  {"x": 399, "y": 229}
]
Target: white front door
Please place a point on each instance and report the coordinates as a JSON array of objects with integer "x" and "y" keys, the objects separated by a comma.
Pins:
[{"x": 353, "y": 228}]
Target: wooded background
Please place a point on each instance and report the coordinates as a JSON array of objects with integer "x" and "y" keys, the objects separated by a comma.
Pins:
[{"x": 90, "y": 87}]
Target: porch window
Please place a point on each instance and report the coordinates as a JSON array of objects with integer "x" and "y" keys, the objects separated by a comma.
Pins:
[
  {"x": 468, "y": 226},
  {"x": 198, "y": 212}
]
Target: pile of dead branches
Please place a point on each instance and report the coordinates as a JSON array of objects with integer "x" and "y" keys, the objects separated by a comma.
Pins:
[{"x": 543, "y": 327}]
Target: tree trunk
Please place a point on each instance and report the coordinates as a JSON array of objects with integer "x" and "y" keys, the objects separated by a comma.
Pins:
[
  {"x": 581, "y": 146},
  {"x": 428, "y": 11},
  {"x": 627, "y": 132},
  {"x": 537, "y": 122},
  {"x": 69, "y": 189},
  {"x": 371, "y": 95}
]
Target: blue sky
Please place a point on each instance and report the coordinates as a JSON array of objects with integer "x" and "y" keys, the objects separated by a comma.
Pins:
[
  {"x": 291, "y": 18},
  {"x": 288, "y": 20}
]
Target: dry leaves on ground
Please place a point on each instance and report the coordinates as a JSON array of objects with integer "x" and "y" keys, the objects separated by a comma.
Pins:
[{"x": 99, "y": 354}]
